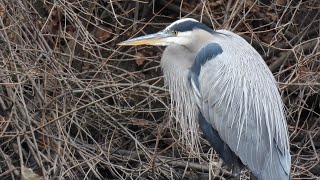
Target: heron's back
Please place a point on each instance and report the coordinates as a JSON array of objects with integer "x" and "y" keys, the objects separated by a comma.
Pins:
[{"x": 241, "y": 100}]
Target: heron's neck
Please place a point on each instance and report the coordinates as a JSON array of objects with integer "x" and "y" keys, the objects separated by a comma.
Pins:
[{"x": 176, "y": 72}]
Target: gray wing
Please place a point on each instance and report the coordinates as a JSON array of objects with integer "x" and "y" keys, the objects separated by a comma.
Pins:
[{"x": 238, "y": 96}]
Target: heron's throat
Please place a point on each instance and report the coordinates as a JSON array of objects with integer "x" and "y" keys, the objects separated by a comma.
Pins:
[{"x": 185, "y": 109}]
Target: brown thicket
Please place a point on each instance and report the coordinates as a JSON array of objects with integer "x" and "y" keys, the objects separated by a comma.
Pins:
[{"x": 74, "y": 105}]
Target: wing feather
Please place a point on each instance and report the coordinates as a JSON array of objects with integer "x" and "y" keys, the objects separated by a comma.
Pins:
[{"x": 239, "y": 97}]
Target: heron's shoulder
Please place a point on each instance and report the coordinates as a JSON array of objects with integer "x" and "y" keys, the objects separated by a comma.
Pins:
[{"x": 206, "y": 53}]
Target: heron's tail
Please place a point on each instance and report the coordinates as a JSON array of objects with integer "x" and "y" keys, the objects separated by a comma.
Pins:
[{"x": 278, "y": 166}]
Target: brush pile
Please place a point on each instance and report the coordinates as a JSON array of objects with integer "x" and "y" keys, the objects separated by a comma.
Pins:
[{"x": 74, "y": 105}]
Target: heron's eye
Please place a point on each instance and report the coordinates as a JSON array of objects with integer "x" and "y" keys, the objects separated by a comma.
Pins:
[{"x": 175, "y": 32}]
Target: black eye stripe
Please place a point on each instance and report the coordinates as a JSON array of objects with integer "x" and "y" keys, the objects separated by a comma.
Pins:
[{"x": 189, "y": 26}]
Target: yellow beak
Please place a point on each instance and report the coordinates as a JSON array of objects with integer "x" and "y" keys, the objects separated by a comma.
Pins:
[{"x": 159, "y": 38}]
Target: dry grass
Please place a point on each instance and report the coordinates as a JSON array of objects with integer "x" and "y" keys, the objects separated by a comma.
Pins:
[{"x": 84, "y": 108}]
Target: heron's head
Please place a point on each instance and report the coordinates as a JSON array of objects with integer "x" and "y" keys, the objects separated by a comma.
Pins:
[{"x": 180, "y": 32}]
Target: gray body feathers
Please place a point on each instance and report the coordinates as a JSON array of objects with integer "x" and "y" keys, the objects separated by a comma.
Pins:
[{"x": 238, "y": 97}]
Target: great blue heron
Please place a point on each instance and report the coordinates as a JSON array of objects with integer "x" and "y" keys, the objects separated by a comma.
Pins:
[{"x": 220, "y": 81}]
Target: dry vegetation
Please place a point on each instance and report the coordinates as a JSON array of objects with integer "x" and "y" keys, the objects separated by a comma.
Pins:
[{"x": 76, "y": 106}]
